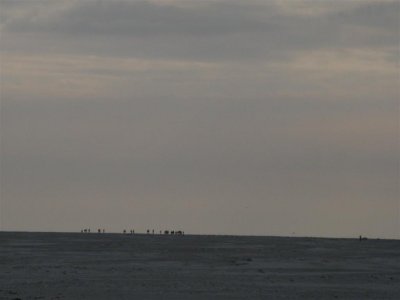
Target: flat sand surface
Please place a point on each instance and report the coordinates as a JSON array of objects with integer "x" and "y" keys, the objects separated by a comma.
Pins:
[{"x": 116, "y": 266}]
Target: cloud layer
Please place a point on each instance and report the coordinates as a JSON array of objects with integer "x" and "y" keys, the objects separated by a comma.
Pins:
[{"x": 217, "y": 116}]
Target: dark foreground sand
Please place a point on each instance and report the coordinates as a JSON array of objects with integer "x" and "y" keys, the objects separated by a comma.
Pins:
[{"x": 112, "y": 266}]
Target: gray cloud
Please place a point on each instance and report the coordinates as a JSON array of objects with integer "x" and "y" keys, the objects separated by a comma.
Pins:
[
  {"x": 218, "y": 116},
  {"x": 213, "y": 30}
]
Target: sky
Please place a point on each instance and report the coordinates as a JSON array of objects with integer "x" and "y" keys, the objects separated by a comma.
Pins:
[{"x": 214, "y": 117}]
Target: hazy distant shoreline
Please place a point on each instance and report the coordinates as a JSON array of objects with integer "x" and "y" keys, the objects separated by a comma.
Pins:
[{"x": 204, "y": 235}]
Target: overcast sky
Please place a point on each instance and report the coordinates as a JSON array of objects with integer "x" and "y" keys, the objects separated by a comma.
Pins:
[{"x": 213, "y": 116}]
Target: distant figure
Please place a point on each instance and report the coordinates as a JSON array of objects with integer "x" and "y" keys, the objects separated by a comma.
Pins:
[
  {"x": 89, "y": 230},
  {"x": 124, "y": 232},
  {"x": 172, "y": 232},
  {"x": 148, "y": 231},
  {"x": 160, "y": 232},
  {"x": 98, "y": 230},
  {"x": 152, "y": 231},
  {"x": 166, "y": 232}
]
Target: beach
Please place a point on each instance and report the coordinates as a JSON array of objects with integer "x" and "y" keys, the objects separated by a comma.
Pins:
[{"x": 141, "y": 266}]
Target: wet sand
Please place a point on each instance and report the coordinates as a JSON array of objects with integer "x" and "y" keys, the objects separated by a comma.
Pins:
[{"x": 116, "y": 266}]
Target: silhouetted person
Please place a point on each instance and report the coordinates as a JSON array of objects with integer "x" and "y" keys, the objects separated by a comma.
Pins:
[{"x": 124, "y": 232}]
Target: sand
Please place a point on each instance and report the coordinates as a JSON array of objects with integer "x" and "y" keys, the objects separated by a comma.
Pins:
[{"x": 116, "y": 266}]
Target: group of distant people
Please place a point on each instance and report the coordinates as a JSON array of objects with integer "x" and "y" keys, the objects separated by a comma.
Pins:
[
  {"x": 166, "y": 232},
  {"x": 174, "y": 232},
  {"x": 87, "y": 230}
]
